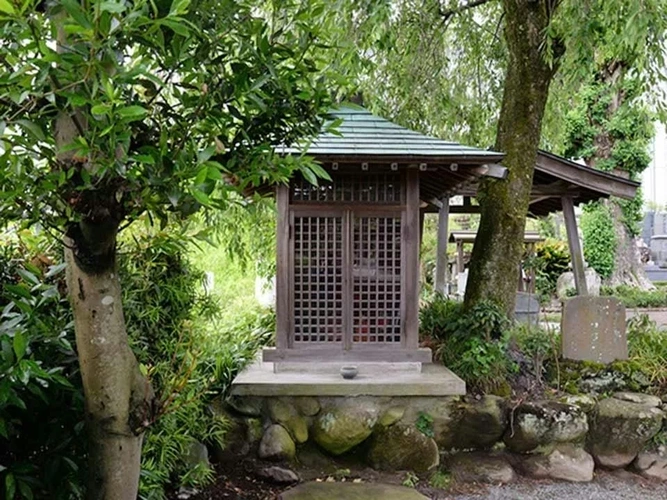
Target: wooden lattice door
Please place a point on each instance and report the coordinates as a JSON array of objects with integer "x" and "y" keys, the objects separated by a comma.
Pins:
[{"x": 346, "y": 261}]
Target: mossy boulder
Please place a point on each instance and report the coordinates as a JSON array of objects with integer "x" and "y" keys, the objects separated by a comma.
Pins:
[
  {"x": 441, "y": 413},
  {"x": 403, "y": 447},
  {"x": 565, "y": 462},
  {"x": 620, "y": 429},
  {"x": 277, "y": 444},
  {"x": 340, "y": 427},
  {"x": 480, "y": 467},
  {"x": 479, "y": 423},
  {"x": 283, "y": 412},
  {"x": 306, "y": 405},
  {"x": 391, "y": 416},
  {"x": 545, "y": 423},
  {"x": 248, "y": 406}
]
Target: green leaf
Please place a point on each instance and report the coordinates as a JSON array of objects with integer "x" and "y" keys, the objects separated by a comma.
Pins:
[
  {"x": 28, "y": 276},
  {"x": 131, "y": 113},
  {"x": 10, "y": 486},
  {"x": 54, "y": 270},
  {"x": 33, "y": 129},
  {"x": 6, "y": 7},
  {"x": 179, "y": 7},
  {"x": 20, "y": 290},
  {"x": 20, "y": 344},
  {"x": 3, "y": 432},
  {"x": 75, "y": 11}
]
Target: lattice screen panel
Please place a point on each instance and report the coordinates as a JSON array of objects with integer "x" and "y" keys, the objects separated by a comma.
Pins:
[
  {"x": 380, "y": 187},
  {"x": 376, "y": 280},
  {"x": 318, "y": 280}
]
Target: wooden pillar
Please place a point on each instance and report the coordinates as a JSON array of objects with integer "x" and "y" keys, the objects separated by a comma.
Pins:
[
  {"x": 283, "y": 319},
  {"x": 411, "y": 260},
  {"x": 575, "y": 247},
  {"x": 460, "y": 266},
  {"x": 441, "y": 252}
]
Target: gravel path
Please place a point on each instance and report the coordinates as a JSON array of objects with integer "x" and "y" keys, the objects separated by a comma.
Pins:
[{"x": 605, "y": 487}]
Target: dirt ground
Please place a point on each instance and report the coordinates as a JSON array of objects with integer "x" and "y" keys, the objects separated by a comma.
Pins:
[{"x": 238, "y": 480}]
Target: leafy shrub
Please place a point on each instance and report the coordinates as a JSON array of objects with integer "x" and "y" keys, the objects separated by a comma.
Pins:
[
  {"x": 473, "y": 343},
  {"x": 41, "y": 400},
  {"x": 537, "y": 344},
  {"x": 173, "y": 330},
  {"x": 633, "y": 297},
  {"x": 552, "y": 258},
  {"x": 599, "y": 238},
  {"x": 438, "y": 317}
]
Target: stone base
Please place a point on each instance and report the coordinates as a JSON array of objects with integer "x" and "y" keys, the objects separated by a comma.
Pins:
[
  {"x": 365, "y": 369},
  {"x": 374, "y": 379}
]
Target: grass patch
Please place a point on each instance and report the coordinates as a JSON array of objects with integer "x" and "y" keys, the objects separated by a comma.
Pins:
[{"x": 636, "y": 298}]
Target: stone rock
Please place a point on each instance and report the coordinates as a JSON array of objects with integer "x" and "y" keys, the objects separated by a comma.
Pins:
[
  {"x": 639, "y": 398},
  {"x": 249, "y": 406},
  {"x": 565, "y": 283},
  {"x": 584, "y": 401},
  {"x": 197, "y": 454},
  {"x": 340, "y": 427},
  {"x": 651, "y": 466},
  {"x": 402, "y": 447},
  {"x": 279, "y": 475},
  {"x": 284, "y": 413},
  {"x": 350, "y": 491},
  {"x": 477, "y": 467},
  {"x": 543, "y": 423},
  {"x": 391, "y": 416},
  {"x": 593, "y": 329},
  {"x": 619, "y": 430},
  {"x": 276, "y": 444},
  {"x": 565, "y": 462},
  {"x": 479, "y": 423},
  {"x": 442, "y": 411},
  {"x": 307, "y": 406},
  {"x": 185, "y": 492}
]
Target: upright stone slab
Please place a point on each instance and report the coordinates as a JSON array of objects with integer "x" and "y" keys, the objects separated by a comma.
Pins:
[
  {"x": 593, "y": 329},
  {"x": 527, "y": 308}
]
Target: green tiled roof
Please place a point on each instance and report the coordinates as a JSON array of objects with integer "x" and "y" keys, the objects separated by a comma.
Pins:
[{"x": 364, "y": 134}]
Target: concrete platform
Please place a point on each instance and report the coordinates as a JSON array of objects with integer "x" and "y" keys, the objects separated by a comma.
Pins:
[{"x": 260, "y": 379}]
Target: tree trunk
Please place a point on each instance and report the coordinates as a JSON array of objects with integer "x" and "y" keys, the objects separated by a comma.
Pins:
[
  {"x": 496, "y": 256},
  {"x": 628, "y": 267},
  {"x": 119, "y": 399}
]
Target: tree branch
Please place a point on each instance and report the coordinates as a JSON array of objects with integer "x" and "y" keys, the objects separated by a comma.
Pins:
[{"x": 449, "y": 13}]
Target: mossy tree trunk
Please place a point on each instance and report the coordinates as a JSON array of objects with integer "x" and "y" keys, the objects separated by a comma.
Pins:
[
  {"x": 498, "y": 247},
  {"x": 119, "y": 399}
]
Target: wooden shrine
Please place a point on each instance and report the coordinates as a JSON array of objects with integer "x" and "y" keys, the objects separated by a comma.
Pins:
[{"x": 347, "y": 279}]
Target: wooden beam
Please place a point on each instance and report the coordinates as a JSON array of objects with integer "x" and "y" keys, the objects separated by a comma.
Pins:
[
  {"x": 491, "y": 170},
  {"x": 410, "y": 233},
  {"x": 441, "y": 252},
  {"x": 575, "y": 247},
  {"x": 585, "y": 177},
  {"x": 283, "y": 268}
]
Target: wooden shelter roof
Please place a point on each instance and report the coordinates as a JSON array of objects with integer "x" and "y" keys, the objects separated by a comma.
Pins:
[
  {"x": 448, "y": 168},
  {"x": 376, "y": 143},
  {"x": 362, "y": 134},
  {"x": 556, "y": 177}
]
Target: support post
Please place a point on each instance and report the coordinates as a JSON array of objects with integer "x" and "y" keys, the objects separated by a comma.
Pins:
[
  {"x": 441, "y": 252},
  {"x": 411, "y": 260},
  {"x": 282, "y": 268},
  {"x": 575, "y": 247},
  {"x": 460, "y": 266}
]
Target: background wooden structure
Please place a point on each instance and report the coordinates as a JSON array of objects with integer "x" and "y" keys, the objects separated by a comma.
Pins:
[{"x": 348, "y": 249}]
